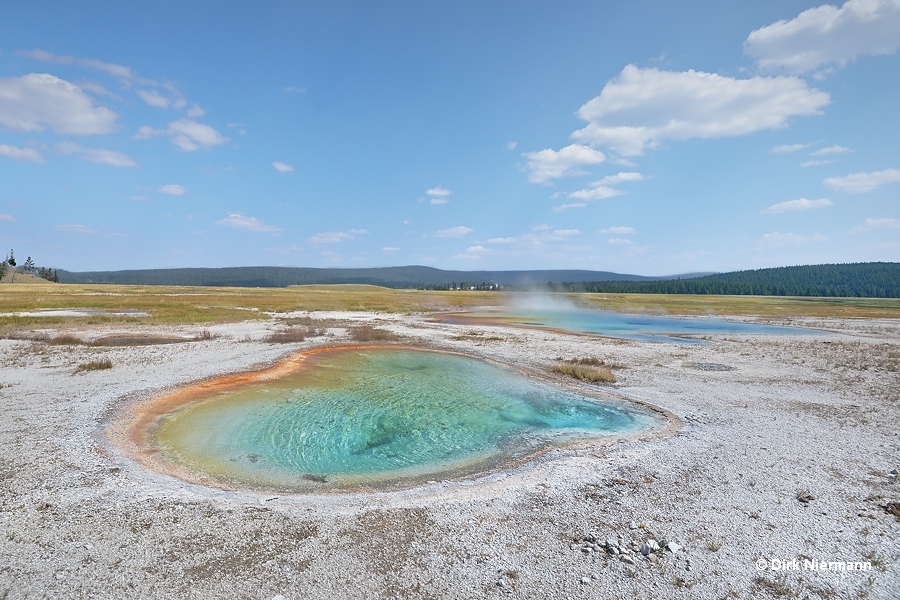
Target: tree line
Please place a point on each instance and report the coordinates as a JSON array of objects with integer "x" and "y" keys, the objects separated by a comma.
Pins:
[
  {"x": 860, "y": 280},
  {"x": 28, "y": 267}
]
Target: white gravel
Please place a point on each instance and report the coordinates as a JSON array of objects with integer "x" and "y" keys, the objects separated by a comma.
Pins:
[{"x": 766, "y": 420}]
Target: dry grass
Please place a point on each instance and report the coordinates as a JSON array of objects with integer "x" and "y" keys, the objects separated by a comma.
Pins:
[
  {"x": 94, "y": 365},
  {"x": 182, "y": 304},
  {"x": 592, "y": 373},
  {"x": 294, "y": 334},
  {"x": 367, "y": 333}
]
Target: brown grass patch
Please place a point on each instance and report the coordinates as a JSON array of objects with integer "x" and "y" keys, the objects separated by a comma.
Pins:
[
  {"x": 367, "y": 333},
  {"x": 592, "y": 373},
  {"x": 94, "y": 365}
]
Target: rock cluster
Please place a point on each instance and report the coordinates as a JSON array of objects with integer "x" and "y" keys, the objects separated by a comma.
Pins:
[{"x": 631, "y": 551}]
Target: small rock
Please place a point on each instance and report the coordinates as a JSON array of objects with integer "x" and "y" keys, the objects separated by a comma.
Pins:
[
  {"x": 573, "y": 546},
  {"x": 626, "y": 559},
  {"x": 653, "y": 545},
  {"x": 645, "y": 549},
  {"x": 632, "y": 526},
  {"x": 610, "y": 543},
  {"x": 500, "y": 583},
  {"x": 673, "y": 547},
  {"x": 585, "y": 580},
  {"x": 651, "y": 557},
  {"x": 613, "y": 550},
  {"x": 595, "y": 576},
  {"x": 591, "y": 537},
  {"x": 587, "y": 549}
]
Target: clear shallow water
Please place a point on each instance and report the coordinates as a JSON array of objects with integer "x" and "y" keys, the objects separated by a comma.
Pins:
[
  {"x": 636, "y": 327},
  {"x": 363, "y": 417}
]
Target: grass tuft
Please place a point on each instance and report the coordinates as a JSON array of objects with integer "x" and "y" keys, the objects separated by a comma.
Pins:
[
  {"x": 94, "y": 365},
  {"x": 367, "y": 333},
  {"x": 294, "y": 334},
  {"x": 590, "y": 373}
]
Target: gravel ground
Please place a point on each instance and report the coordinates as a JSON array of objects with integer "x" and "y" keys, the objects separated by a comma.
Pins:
[{"x": 784, "y": 455}]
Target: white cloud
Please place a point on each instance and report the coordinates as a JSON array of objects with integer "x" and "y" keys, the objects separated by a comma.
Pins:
[
  {"x": 282, "y": 167},
  {"x": 798, "y": 204},
  {"x": 859, "y": 183},
  {"x": 784, "y": 148},
  {"x": 827, "y": 35},
  {"x": 195, "y": 111},
  {"x": 96, "y": 155},
  {"x": 239, "y": 221},
  {"x": 438, "y": 195},
  {"x": 453, "y": 232},
  {"x": 642, "y": 108},
  {"x": 153, "y": 98},
  {"x": 570, "y": 206},
  {"x": 38, "y": 101},
  {"x": 619, "y": 178},
  {"x": 501, "y": 240},
  {"x": 777, "y": 239},
  {"x": 836, "y": 149},
  {"x": 817, "y": 163},
  {"x": 511, "y": 145},
  {"x": 566, "y": 233},
  {"x": 117, "y": 71},
  {"x": 870, "y": 224},
  {"x": 293, "y": 89},
  {"x": 172, "y": 189},
  {"x": 7, "y": 218},
  {"x": 186, "y": 134},
  {"x": 602, "y": 189},
  {"x": 567, "y": 162},
  {"x": 335, "y": 237},
  {"x": 23, "y": 154},
  {"x": 390, "y": 249},
  {"x": 619, "y": 230},
  {"x": 74, "y": 228},
  {"x": 619, "y": 242}
]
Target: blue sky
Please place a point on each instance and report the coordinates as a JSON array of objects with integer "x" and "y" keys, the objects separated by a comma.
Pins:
[{"x": 648, "y": 137}]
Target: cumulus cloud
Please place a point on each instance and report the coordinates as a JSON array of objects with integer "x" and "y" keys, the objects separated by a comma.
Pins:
[
  {"x": 153, "y": 98},
  {"x": 817, "y": 163},
  {"x": 570, "y": 206},
  {"x": 293, "y": 89},
  {"x": 777, "y": 239},
  {"x": 827, "y": 35},
  {"x": 438, "y": 195},
  {"x": 186, "y": 134},
  {"x": 871, "y": 224},
  {"x": 7, "y": 218},
  {"x": 501, "y": 240},
  {"x": 282, "y": 167},
  {"x": 602, "y": 189},
  {"x": 335, "y": 237},
  {"x": 172, "y": 189},
  {"x": 836, "y": 149},
  {"x": 784, "y": 148},
  {"x": 511, "y": 145},
  {"x": 39, "y": 101},
  {"x": 797, "y": 205},
  {"x": 453, "y": 232},
  {"x": 619, "y": 242},
  {"x": 567, "y": 162},
  {"x": 642, "y": 108},
  {"x": 618, "y": 230},
  {"x": 96, "y": 155},
  {"x": 239, "y": 221},
  {"x": 860, "y": 183},
  {"x": 23, "y": 154},
  {"x": 75, "y": 228},
  {"x": 390, "y": 249}
]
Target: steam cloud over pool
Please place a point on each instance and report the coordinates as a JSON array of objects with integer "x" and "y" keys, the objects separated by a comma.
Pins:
[{"x": 359, "y": 417}]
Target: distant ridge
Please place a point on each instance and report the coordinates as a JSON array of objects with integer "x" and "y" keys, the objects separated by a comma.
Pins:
[{"x": 399, "y": 277}]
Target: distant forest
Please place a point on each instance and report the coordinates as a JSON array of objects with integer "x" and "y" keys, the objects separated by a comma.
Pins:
[
  {"x": 868, "y": 280},
  {"x": 863, "y": 280}
]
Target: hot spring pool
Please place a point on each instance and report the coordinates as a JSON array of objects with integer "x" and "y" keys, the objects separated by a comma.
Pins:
[{"x": 373, "y": 416}]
